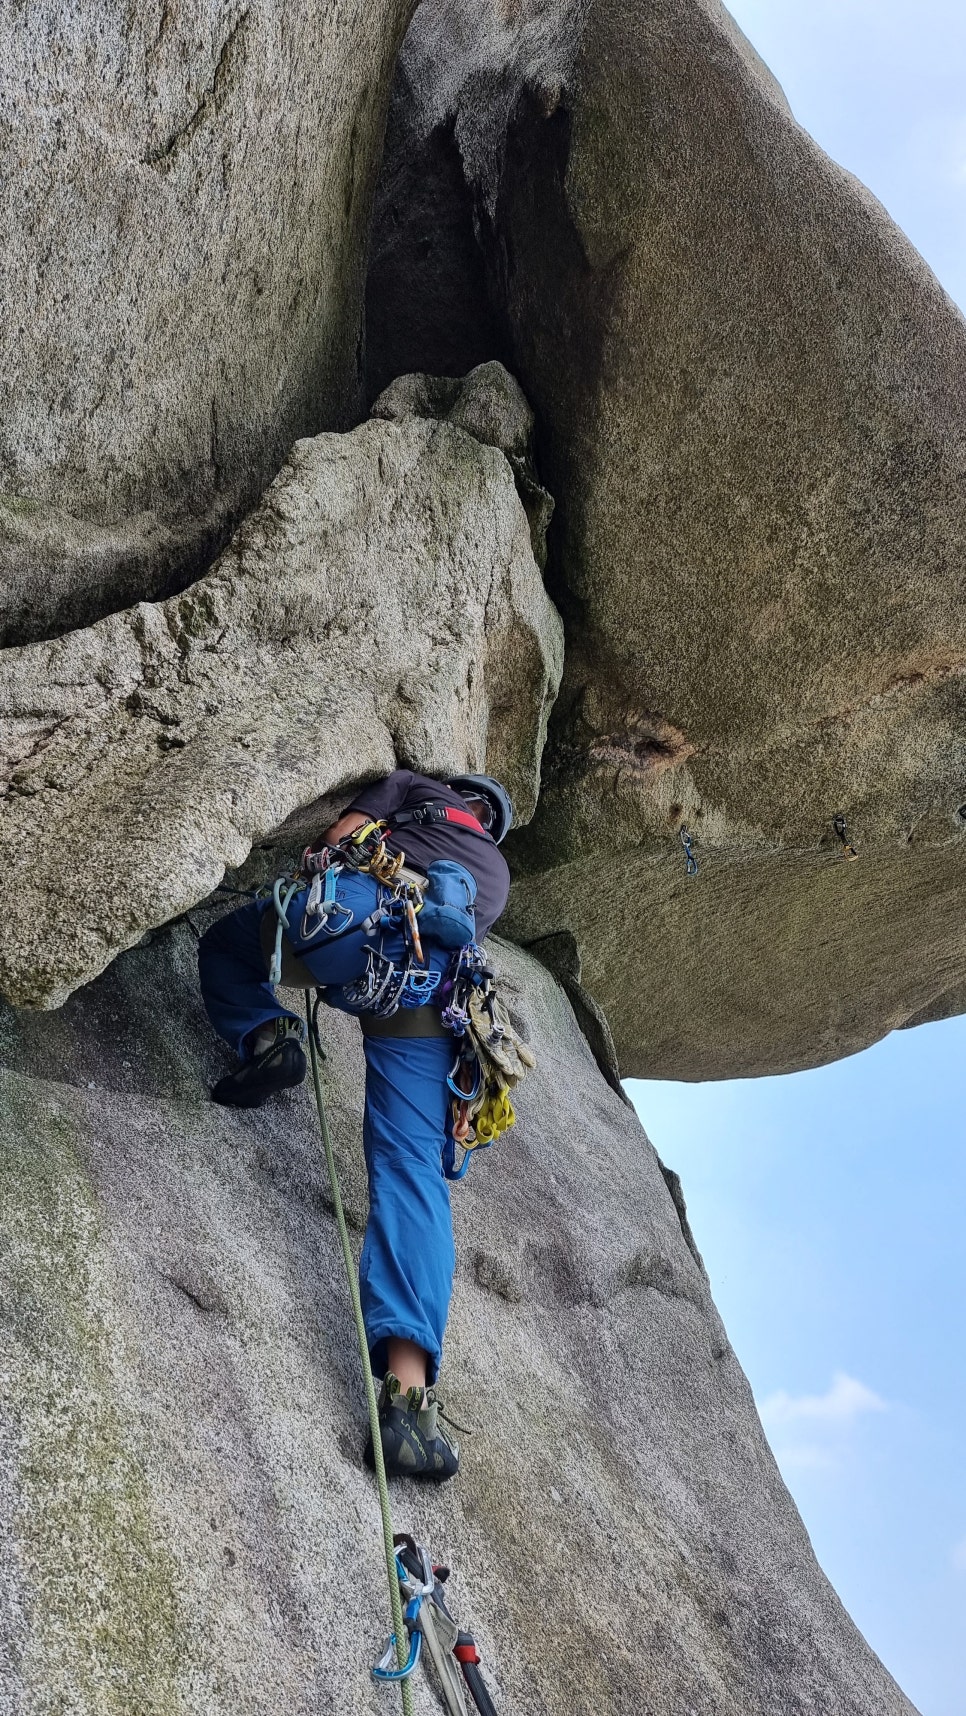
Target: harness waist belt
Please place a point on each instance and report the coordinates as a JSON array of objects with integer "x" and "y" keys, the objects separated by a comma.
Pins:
[{"x": 408, "y": 1022}]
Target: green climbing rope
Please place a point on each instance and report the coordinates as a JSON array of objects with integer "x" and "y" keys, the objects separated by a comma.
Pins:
[{"x": 399, "y": 1631}]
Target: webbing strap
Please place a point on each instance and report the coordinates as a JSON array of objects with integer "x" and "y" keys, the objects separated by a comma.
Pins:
[
  {"x": 436, "y": 813},
  {"x": 398, "y": 1628}
]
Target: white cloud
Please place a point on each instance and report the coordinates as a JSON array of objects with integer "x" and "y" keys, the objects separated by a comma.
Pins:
[
  {"x": 958, "y": 1556},
  {"x": 842, "y": 1403}
]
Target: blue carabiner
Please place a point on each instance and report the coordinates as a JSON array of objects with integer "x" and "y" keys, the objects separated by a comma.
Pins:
[
  {"x": 387, "y": 1674},
  {"x": 453, "y": 1074},
  {"x": 450, "y": 1170},
  {"x": 332, "y": 908}
]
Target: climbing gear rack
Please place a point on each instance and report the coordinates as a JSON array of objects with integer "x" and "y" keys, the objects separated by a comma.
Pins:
[{"x": 490, "y": 1058}]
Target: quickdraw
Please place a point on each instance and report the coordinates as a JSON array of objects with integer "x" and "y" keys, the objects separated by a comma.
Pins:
[
  {"x": 453, "y": 1652},
  {"x": 414, "y": 1585},
  {"x": 384, "y": 987},
  {"x": 366, "y": 850},
  {"x": 322, "y": 905}
]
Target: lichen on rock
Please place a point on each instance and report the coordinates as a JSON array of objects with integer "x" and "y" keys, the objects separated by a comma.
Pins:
[{"x": 102, "y": 1629}]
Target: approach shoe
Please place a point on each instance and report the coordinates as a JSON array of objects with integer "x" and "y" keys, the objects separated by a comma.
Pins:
[
  {"x": 414, "y": 1443},
  {"x": 279, "y": 1067}
]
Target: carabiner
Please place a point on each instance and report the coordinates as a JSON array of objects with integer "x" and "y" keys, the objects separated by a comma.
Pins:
[{"x": 383, "y": 1671}]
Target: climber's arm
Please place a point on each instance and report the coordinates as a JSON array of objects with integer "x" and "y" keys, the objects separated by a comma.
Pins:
[
  {"x": 348, "y": 822},
  {"x": 374, "y": 802}
]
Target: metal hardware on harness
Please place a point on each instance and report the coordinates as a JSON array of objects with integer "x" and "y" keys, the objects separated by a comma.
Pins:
[
  {"x": 469, "y": 991},
  {"x": 281, "y": 911},
  {"x": 469, "y": 971},
  {"x": 384, "y": 987},
  {"x": 323, "y": 905},
  {"x": 690, "y": 861},
  {"x": 849, "y": 852},
  {"x": 366, "y": 850}
]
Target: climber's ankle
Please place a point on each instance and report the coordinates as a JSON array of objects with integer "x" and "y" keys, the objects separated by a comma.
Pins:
[
  {"x": 258, "y": 1041},
  {"x": 407, "y": 1361}
]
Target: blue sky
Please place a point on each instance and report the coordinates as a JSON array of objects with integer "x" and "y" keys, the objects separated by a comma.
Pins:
[{"x": 831, "y": 1205}]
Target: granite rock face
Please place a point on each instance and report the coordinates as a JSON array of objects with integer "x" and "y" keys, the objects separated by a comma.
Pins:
[
  {"x": 489, "y": 405},
  {"x": 187, "y": 1527},
  {"x": 751, "y": 396},
  {"x": 382, "y": 605},
  {"x": 186, "y": 190}
]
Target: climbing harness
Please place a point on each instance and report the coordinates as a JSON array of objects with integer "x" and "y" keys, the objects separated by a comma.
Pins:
[
  {"x": 839, "y": 828},
  {"x": 415, "y": 1594},
  {"x": 436, "y": 812},
  {"x": 490, "y": 1057},
  {"x": 690, "y": 861},
  {"x": 384, "y": 986}
]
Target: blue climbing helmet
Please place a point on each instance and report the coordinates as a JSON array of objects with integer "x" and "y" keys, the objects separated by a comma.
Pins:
[{"x": 494, "y": 796}]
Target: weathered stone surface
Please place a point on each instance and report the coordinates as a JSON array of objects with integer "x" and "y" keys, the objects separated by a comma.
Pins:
[
  {"x": 751, "y": 406},
  {"x": 185, "y": 192},
  {"x": 382, "y": 604},
  {"x": 788, "y": 960},
  {"x": 191, "y": 1529},
  {"x": 489, "y": 405}
]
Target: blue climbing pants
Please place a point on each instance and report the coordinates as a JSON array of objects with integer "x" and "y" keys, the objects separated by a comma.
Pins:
[{"x": 406, "y": 1268}]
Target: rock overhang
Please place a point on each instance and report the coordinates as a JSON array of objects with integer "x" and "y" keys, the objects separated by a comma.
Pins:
[
  {"x": 750, "y": 396},
  {"x": 382, "y": 605}
]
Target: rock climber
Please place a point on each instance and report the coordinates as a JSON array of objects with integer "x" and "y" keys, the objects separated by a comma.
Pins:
[{"x": 407, "y": 1262}]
